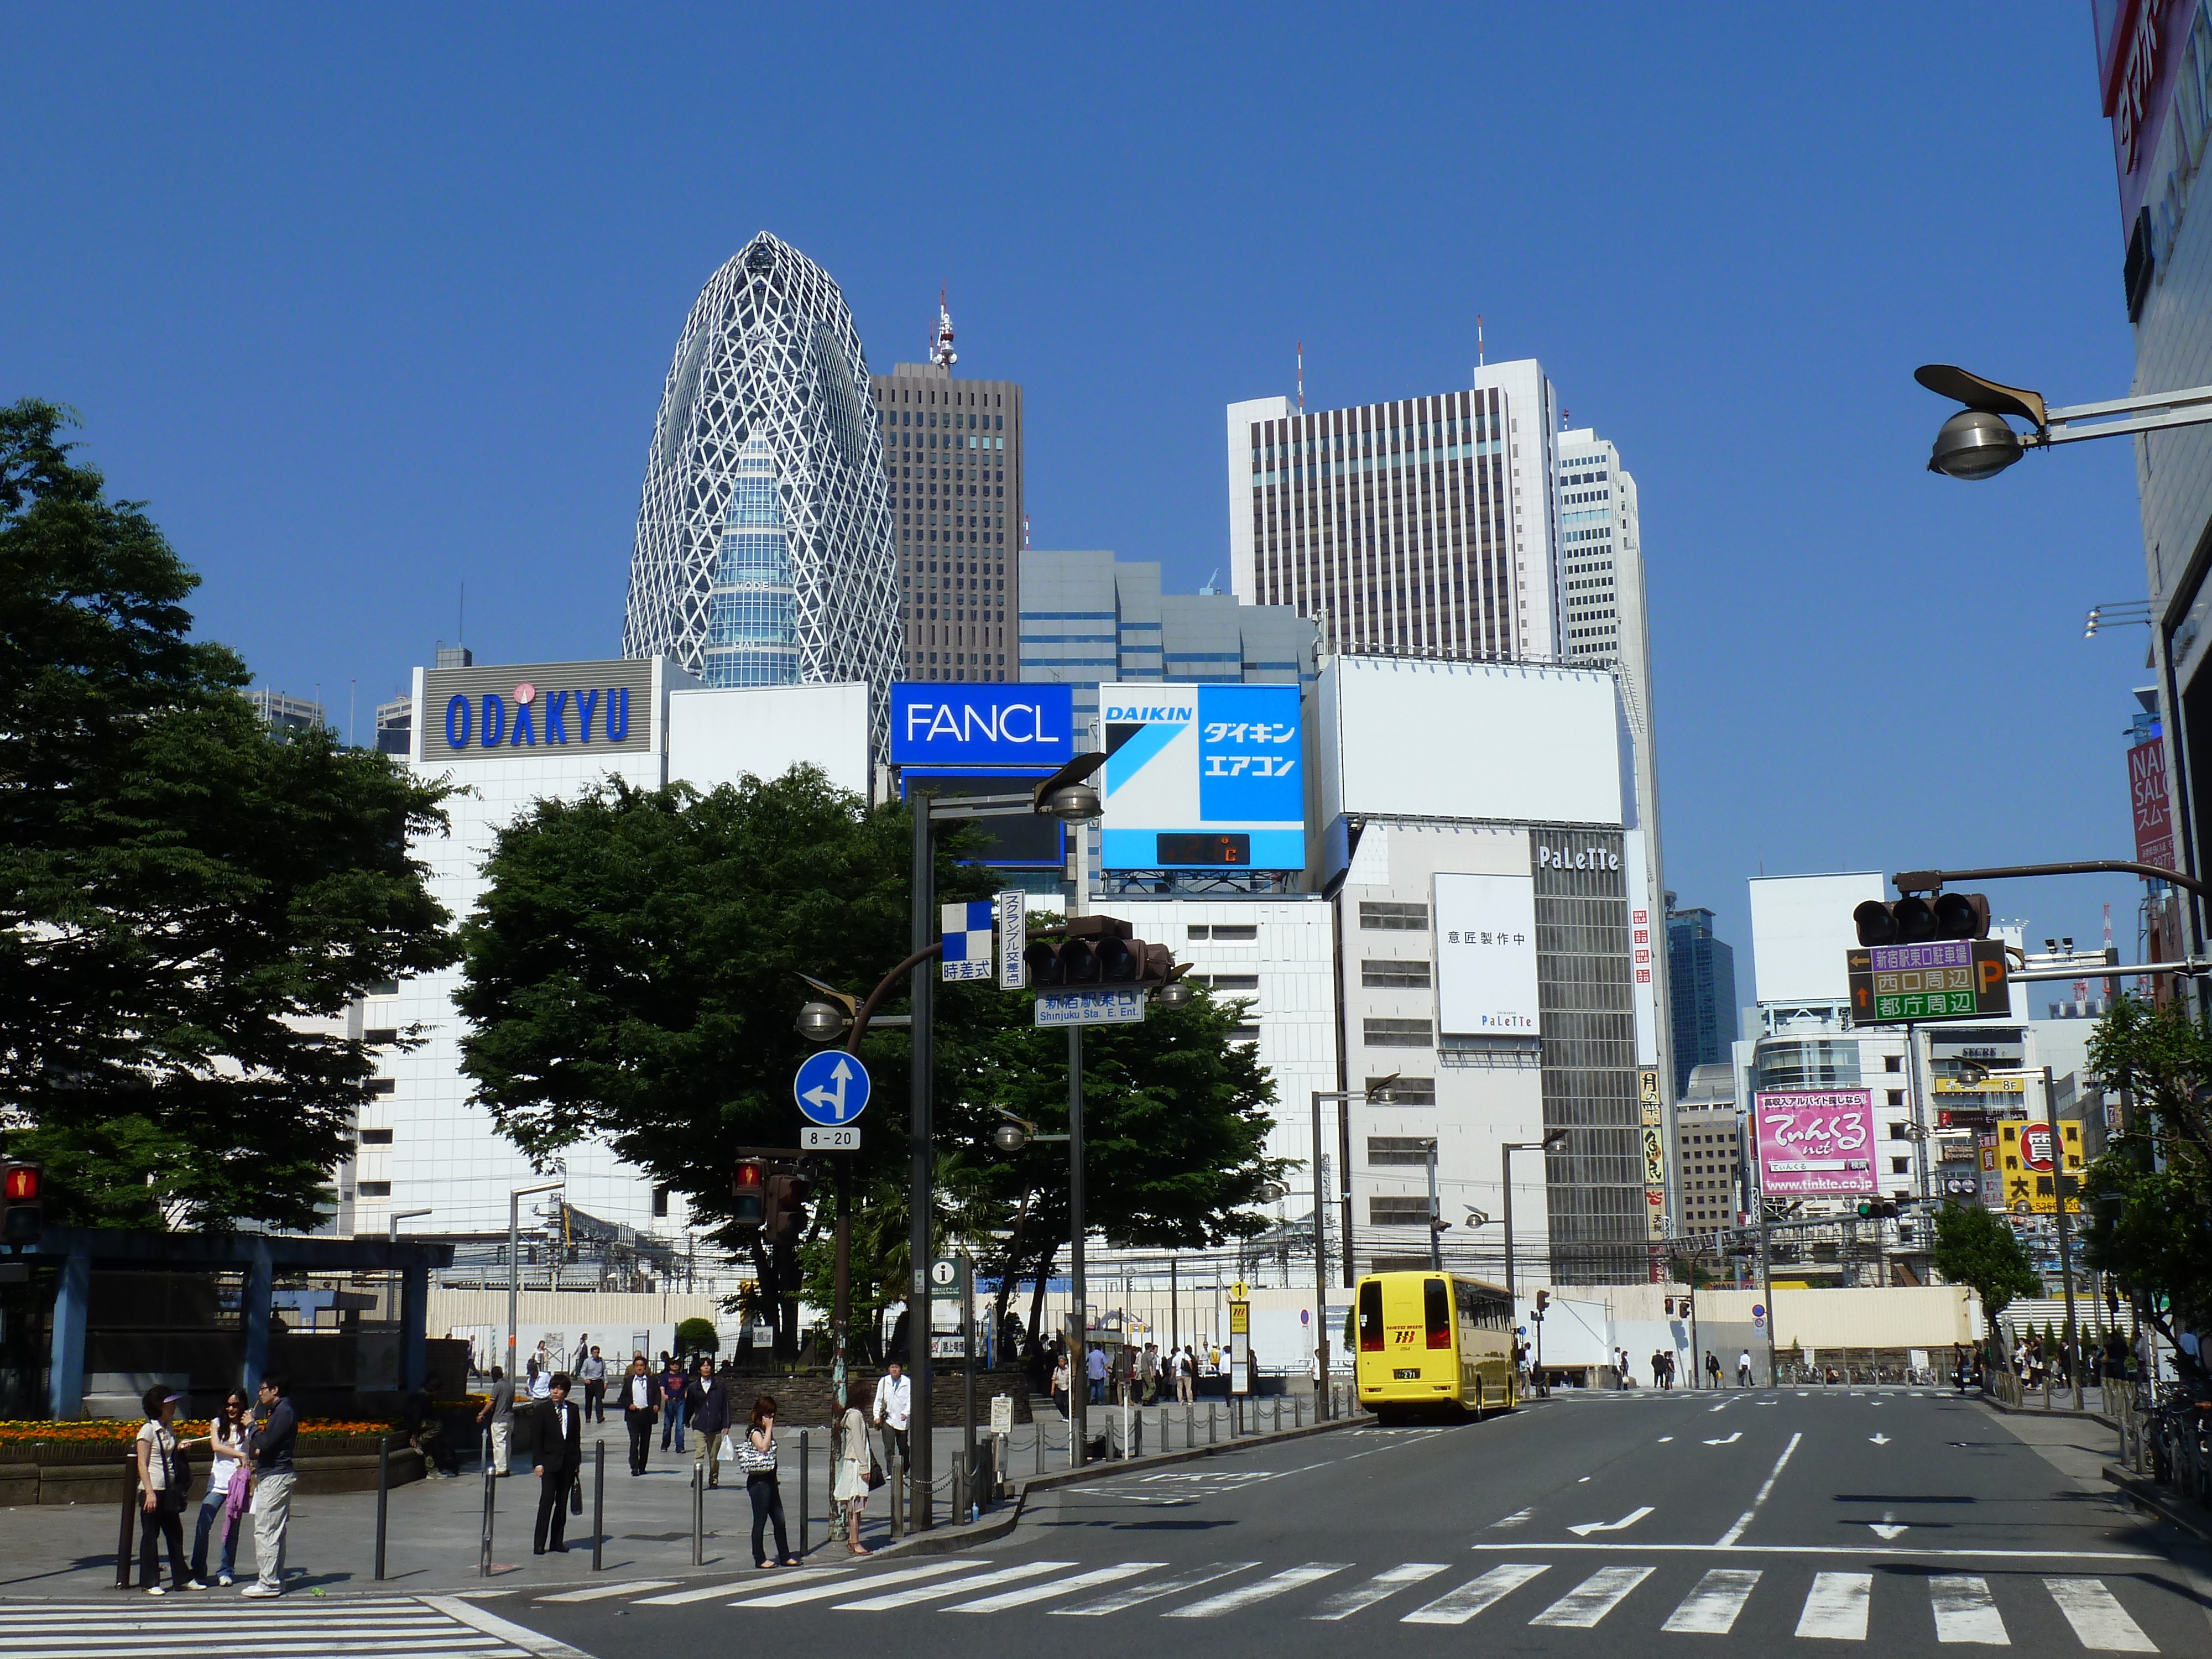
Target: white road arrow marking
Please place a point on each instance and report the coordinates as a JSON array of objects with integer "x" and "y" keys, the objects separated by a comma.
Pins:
[
  {"x": 1664, "y": 1439},
  {"x": 1731, "y": 1441},
  {"x": 1625, "y": 1520},
  {"x": 1888, "y": 1528},
  {"x": 1879, "y": 1439},
  {"x": 829, "y": 1101}
]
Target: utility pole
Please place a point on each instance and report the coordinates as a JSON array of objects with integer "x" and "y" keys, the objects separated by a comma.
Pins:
[
  {"x": 1436, "y": 1232},
  {"x": 2061, "y": 1181},
  {"x": 920, "y": 1463}
]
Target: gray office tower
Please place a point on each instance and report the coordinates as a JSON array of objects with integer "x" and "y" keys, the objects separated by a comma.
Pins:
[{"x": 952, "y": 452}]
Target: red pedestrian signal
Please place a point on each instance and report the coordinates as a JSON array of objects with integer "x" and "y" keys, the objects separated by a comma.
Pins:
[
  {"x": 748, "y": 1184},
  {"x": 24, "y": 1194}
]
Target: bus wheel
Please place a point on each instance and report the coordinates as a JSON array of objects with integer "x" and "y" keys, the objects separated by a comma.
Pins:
[{"x": 1388, "y": 1416}]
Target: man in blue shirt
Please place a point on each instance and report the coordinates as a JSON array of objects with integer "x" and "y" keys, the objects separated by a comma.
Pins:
[{"x": 1097, "y": 1376}]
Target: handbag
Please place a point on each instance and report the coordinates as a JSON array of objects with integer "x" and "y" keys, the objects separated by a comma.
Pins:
[
  {"x": 875, "y": 1473},
  {"x": 752, "y": 1459},
  {"x": 575, "y": 1498},
  {"x": 176, "y": 1478}
]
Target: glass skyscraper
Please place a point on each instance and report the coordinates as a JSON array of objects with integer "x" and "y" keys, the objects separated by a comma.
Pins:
[
  {"x": 1701, "y": 986},
  {"x": 765, "y": 552}
]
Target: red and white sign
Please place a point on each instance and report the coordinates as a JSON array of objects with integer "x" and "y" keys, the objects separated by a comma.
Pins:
[
  {"x": 2038, "y": 1147},
  {"x": 1815, "y": 1143},
  {"x": 2153, "y": 815}
]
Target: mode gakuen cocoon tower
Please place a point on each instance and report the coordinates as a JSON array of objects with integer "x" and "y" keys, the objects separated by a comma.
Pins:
[{"x": 764, "y": 552}]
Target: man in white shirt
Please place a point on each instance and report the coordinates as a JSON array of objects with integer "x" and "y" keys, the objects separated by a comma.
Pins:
[
  {"x": 1183, "y": 1366},
  {"x": 894, "y": 1411}
]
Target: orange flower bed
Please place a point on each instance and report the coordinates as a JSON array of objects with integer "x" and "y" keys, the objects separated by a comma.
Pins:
[{"x": 101, "y": 1430}]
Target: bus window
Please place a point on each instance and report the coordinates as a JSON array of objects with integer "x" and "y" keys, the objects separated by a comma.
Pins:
[
  {"x": 1436, "y": 1305},
  {"x": 1370, "y": 1317}
]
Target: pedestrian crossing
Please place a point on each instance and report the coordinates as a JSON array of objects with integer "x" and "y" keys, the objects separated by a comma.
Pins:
[
  {"x": 295, "y": 1626},
  {"x": 1960, "y": 1608}
]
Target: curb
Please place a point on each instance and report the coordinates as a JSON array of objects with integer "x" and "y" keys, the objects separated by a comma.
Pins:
[
  {"x": 1997, "y": 1405},
  {"x": 946, "y": 1540},
  {"x": 2148, "y": 1495}
]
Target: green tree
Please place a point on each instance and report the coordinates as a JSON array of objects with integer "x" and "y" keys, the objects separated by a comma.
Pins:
[
  {"x": 2148, "y": 1200},
  {"x": 182, "y": 894},
  {"x": 1976, "y": 1247},
  {"x": 632, "y": 974},
  {"x": 696, "y": 1336}
]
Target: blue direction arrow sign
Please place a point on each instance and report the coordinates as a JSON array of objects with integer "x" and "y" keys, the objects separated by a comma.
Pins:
[{"x": 831, "y": 1087}]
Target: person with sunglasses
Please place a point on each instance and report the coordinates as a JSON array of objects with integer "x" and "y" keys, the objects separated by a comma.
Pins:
[{"x": 229, "y": 1486}]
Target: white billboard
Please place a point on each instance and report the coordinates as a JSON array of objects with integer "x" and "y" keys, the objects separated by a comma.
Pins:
[
  {"x": 1486, "y": 935},
  {"x": 1800, "y": 928},
  {"x": 1507, "y": 742}
]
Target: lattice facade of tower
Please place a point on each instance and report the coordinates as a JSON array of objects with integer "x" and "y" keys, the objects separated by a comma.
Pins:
[{"x": 768, "y": 352}]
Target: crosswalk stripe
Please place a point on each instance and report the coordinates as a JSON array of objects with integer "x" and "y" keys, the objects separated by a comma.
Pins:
[
  {"x": 1082, "y": 1580},
  {"x": 634, "y": 1587},
  {"x": 1710, "y": 1609},
  {"x": 1588, "y": 1602},
  {"x": 2096, "y": 1616},
  {"x": 1457, "y": 1607},
  {"x": 182, "y": 1647},
  {"x": 1344, "y": 1603},
  {"x": 1245, "y": 1595},
  {"x": 724, "y": 1586},
  {"x": 917, "y": 1593},
  {"x": 1836, "y": 1607},
  {"x": 1153, "y": 1588},
  {"x": 1966, "y": 1612},
  {"x": 844, "y": 1584}
]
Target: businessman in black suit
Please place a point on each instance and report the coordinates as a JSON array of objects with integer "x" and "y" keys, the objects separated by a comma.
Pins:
[{"x": 559, "y": 1458}]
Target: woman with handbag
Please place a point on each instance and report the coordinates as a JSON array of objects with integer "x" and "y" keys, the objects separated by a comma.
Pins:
[
  {"x": 856, "y": 1474},
  {"x": 229, "y": 1486},
  {"x": 164, "y": 1478},
  {"x": 756, "y": 1457}
]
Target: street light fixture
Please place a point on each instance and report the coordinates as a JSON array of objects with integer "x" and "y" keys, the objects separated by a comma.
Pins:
[
  {"x": 1377, "y": 1093},
  {"x": 514, "y": 1251},
  {"x": 1980, "y": 442}
]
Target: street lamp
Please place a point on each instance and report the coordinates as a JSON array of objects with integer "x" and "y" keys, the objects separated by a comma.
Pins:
[
  {"x": 514, "y": 1251},
  {"x": 1506, "y": 1170},
  {"x": 1979, "y": 441},
  {"x": 1375, "y": 1093}
]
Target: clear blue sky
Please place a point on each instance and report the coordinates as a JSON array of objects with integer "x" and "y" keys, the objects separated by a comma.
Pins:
[{"x": 370, "y": 302}]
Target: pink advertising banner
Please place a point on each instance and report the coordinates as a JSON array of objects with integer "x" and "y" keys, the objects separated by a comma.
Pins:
[{"x": 1815, "y": 1143}]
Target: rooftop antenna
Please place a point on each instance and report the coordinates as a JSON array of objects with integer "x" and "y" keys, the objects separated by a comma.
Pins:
[
  {"x": 1210, "y": 580},
  {"x": 461, "y": 618},
  {"x": 1478, "y": 358},
  {"x": 941, "y": 352},
  {"x": 1302, "y": 377}
]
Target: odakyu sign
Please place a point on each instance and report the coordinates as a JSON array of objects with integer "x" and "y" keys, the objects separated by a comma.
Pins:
[{"x": 536, "y": 709}]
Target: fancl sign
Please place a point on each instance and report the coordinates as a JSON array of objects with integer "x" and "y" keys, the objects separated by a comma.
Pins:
[
  {"x": 536, "y": 709},
  {"x": 936, "y": 724}
]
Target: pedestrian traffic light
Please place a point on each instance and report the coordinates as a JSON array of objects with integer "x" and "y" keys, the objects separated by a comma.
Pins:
[
  {"x": 25, "y": 1195},
  {"x": 783, "y": 1212},
  {"x": 748, "y": 1185},
  {"x": 1913, "y": 919}
]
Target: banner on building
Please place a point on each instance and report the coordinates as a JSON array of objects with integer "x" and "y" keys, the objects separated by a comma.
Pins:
[
  {"x": 1815, "y": 1143},
  {"x": 1485, "y": 944},
  {"x": 2147, "y": 793}
]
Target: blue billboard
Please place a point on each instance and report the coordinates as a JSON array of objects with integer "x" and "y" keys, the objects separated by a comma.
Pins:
[
  {"x": 937, "y": 725},
  {"x": 1202, "y": 777}
]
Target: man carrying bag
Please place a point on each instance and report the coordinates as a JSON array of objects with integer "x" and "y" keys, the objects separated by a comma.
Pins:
[{"x": 558, "y": 1458}]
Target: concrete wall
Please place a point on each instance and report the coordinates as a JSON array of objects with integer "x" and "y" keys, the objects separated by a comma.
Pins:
[{"x": 614, "y": 1322}]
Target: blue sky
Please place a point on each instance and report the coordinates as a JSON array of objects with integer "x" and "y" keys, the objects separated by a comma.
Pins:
[{"x": 369, "y": 304}]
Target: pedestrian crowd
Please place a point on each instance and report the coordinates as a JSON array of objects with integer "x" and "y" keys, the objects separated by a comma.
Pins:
[{"x": 250, "y": 1472}]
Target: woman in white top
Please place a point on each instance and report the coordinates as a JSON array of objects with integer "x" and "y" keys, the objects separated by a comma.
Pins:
[
  {"x": 161, "y": 1481},
  {"x": 229, "y": 1486},
  {"x": 849, "y": 1487}
]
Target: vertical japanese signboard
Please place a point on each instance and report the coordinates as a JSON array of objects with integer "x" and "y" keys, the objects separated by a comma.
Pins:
[
  {"x": 1815, "y": 1143},
  {"x": 2146, "y": 797}
]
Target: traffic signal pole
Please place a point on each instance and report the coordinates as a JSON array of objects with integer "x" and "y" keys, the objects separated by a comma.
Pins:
[
  {"x": 922, "y": 1462},
  {"x": 1079, "y": 1361}
]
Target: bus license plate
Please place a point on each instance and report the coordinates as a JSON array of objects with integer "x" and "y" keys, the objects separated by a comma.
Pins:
[{"x": 1405, "y": 1375}]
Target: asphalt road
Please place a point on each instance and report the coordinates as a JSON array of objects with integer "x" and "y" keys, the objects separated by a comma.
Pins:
[{"x": 1728, "y": 1525}]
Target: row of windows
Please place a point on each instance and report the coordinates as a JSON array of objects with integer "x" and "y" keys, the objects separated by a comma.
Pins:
[
  {"x": 954, "y": 473},
  {"x": 958, "y": 566},
  {"x": 1398, "y": 1033},
  {"x": 1388, "y": 915},
  {"x": 960, "y": 657},
  {"x": 1379, "y": 973},
  {"x": 1224, "y": 930},
  {"x": 932, "y": 418},
  {"x": 930, "y": 440}
]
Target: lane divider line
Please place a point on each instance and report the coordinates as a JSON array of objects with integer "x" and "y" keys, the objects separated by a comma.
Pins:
[{"x": 1744, "y": 1520}]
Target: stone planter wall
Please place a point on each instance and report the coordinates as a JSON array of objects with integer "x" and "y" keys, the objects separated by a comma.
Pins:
[{"x": 79, "y": 1473}]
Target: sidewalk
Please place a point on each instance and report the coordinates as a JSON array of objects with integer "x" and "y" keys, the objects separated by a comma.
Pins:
[{"x": 433, "y": 1528}]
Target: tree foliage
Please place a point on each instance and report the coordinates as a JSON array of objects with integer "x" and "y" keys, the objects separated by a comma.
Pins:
[
  {"x": 632, "y": 974},
  {"x": 183, "y": 895},
  {"x": 2149, "y": 1199},
  {"x": 1976, "y": 1247}
]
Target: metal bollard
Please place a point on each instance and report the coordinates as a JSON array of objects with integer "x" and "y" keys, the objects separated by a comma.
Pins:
[
  {"x": 802, "y": 1491},
  {"x": 383, "y": 1490},
  {"x": 483, "y": 1552},
  {"x": 1212, "y": 1424},
  {"x": 897, "y": 1486},
  {"x": 699, "y": 1513},
  {"x": 129, "y": 1508},
  {"x": 959, "y": 1492},
  {"x": 599, "y": 1504}
]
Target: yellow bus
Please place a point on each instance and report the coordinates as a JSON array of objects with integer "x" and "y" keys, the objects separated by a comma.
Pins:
[{"x": 1434, "y": 1339}]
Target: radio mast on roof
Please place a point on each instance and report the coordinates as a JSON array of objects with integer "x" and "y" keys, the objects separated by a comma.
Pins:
[{"x": 941, "y": 352}]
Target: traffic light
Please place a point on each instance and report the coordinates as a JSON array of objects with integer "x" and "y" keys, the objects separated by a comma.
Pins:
[
  {"x": 1099, "y": 951},
  {"x": 1877, "y": 1209},
  {"x": 25, "y": 1195},
  {"x": 783, "y": 1216},
  {"x": 1543, "y": 1301},
  {"x": 1913, "y": 919},
  {"x": 748, "y": 1184}
]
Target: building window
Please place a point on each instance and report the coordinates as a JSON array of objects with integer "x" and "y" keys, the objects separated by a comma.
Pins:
[
  {"x": 1408, "y": 1091},
  {"x": 381, "y": 1085},
  {"x": 1398, "y": 1149},
  {"x": 1228, "y": 981},
  {"x": 1893, "y": 1062},
  {"x": 1397, "y": 1211},
  {"x": 376, "y": 1137},
  {"x": 1897, "y": 1096},
  {"x": 380, "y": 1035},
  {"x": 1384, "y": 916},
  {"x": 1226, "y": 930},
  {"x": 660, "y": 1202},
  {"x": 375, "y": 1189},
  {"x": 1901, "y": 1166},
  {"x": 1897, "y": 1130},
  {"x": 1398, "y": 1034},
  {"x": 1387, "y": 972}
]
